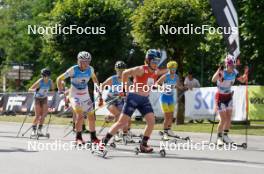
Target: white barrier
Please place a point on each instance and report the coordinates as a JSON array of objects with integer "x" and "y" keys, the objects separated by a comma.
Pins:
[
  {"x": 200, "y": 103},
  {"x": 153, "y": 97}
]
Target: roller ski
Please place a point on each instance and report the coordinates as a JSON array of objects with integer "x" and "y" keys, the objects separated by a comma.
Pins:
[
  {"x": 36, "y": 134},
  {"x": 225, "y": 140},
  {"x": 99, "y": 150},
  {"x": 170, "y": 136},
  {"x": 41, "y": 134},
  {"x": 149, "y": 150},
  {"x": 118, "y": 137},
  {"x": 127, "y": 138}
]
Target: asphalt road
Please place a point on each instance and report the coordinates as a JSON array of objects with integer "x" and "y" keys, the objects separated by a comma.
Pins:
[{"x": 24, "y": 155}]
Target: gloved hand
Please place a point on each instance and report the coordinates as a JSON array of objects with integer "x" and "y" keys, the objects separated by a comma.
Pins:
[{"x": 101, "y": 102}]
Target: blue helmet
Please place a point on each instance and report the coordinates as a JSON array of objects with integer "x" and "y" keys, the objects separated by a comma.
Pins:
[{"x": 152, "y": 54}]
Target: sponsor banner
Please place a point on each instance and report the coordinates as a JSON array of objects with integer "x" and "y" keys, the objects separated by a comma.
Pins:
[
  {"x": 200, "y": 103},
  {"x": 18, "y": 102},
  {"x": 23, "y": 103},
  {"x": 256, "y": 102},
  {"x": 153, "y": 97}
]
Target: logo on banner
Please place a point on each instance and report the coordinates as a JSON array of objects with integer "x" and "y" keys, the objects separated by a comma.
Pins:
[
  {"x": 15, "y": 101},
  {"x": 256, "y": 100},
  {"x": 206, "y": 101}
]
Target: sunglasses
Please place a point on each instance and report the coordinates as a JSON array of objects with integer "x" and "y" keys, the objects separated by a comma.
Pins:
[
  {"x": 84, "y": 61},
  {"x": 155, "y": 61},
  {"x": 172, "y": 69}
]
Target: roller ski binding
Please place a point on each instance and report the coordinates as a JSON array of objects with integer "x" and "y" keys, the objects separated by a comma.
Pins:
[
  {"x": 127, "y": 138},
  {"x": 100, "y": 150},
  {"x": 34, "y": 134},
  {"x": 148, "y": 150},
  {"x": 170, "y": 136},
  {"x": 41, "y": 134}
]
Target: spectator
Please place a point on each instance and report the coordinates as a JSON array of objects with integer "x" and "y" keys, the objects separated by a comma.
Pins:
[{"x": 190, "y": 82}]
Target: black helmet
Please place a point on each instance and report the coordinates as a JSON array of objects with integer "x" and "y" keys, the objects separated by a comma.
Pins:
[
  {"x": 120, "y": 65},
  {"x": 45, "y": 72}
]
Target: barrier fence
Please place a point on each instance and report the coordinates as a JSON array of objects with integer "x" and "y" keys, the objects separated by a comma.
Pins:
[{"x": 199, "y": 103}]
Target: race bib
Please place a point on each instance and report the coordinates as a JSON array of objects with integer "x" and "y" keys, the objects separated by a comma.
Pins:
[{"x": 150, "y": 82}]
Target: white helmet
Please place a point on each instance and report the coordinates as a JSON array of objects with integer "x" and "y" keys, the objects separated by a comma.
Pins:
[
  {"x": 230, "y": 60},
  {"x": 84, "y": 56}
]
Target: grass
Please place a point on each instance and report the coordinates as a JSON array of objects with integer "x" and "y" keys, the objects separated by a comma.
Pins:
[{"x": 256, "y": 128}]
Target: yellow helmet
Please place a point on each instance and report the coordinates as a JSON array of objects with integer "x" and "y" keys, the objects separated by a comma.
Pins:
[{"x": 172, "y": 64}]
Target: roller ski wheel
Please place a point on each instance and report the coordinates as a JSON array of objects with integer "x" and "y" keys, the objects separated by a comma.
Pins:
[
  {"x": 47, "y": 135},
  {"x": 137, "y": 150},
  {"x": 188, "y": 139},
  {"x": 161, "y": 133},
  {"x": 113, "y": 145},
  {"x": 243, "y": 145},
  {"x": 88, "y": 145},
  {"x": 79, "y": 143},
  {"x": 162, "y": 153}
]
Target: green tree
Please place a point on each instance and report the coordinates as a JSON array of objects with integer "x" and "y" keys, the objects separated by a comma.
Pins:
[
  {"x": 105, "y": 48},
  {"x": 146, "y": 23},
  {"x": 251, "y": 19},
  {"x": 16, "y": 45}
]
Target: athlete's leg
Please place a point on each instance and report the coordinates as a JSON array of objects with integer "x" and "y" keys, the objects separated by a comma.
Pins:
[
  {"x": 227, "y": 126},
  {"x": 222, "y": 121},
  {"x": 91, "y": 123},
  {"x": 37, "y": 116},
  {"x": 150, "y": 120},
  {"x": 220, "y": 127},
  {"x": 168, "y": 119},
  {"x": 78, "y": 120},
  {"x": 37, "y": 113},
  {"x": 44, "y": 113},
  {"x": 78, "y": 112},
  {"x": 114, "y": 110},
  {"x": 122, "y": 122}
]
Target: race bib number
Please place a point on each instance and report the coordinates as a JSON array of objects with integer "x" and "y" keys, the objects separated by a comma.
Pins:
[{"x": 150, "y": 82}]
